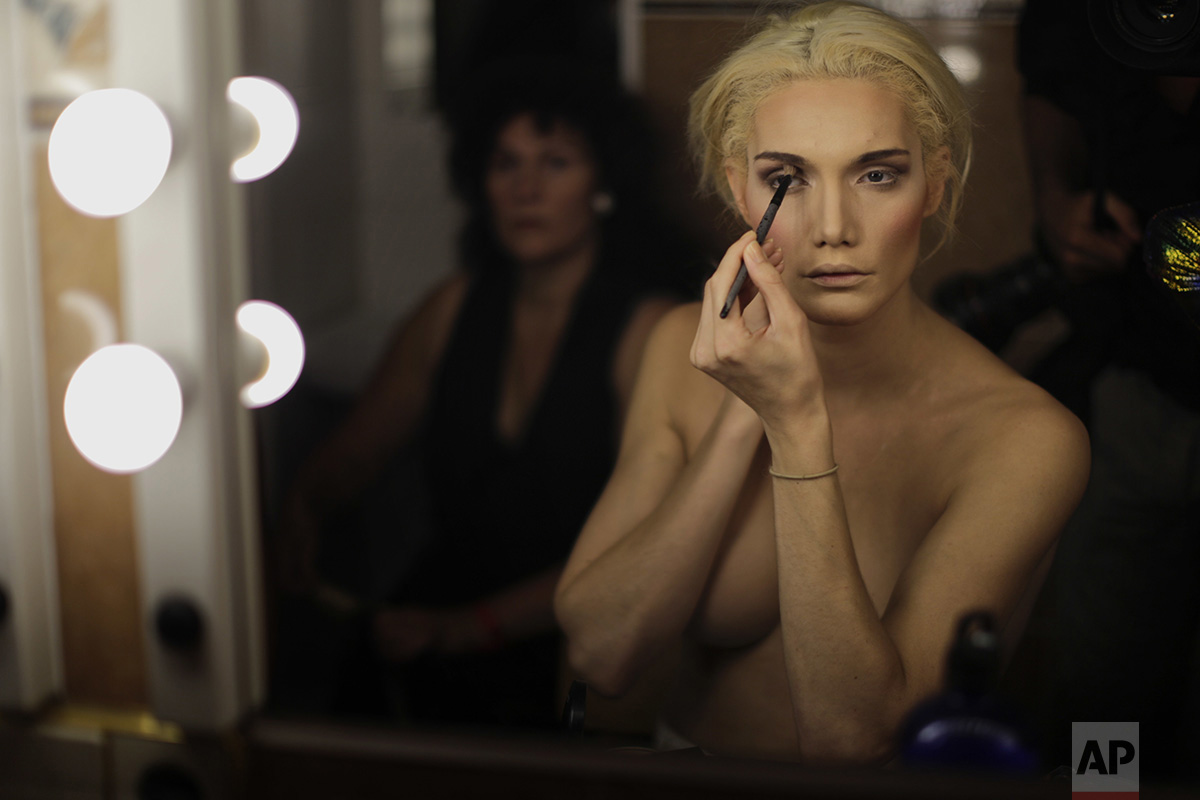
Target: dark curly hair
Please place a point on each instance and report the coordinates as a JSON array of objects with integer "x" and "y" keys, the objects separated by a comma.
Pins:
[{"x": 640, "y": 242}]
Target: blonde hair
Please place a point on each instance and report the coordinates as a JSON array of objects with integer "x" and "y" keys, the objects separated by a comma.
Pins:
[{"x": 833, "y": 40}]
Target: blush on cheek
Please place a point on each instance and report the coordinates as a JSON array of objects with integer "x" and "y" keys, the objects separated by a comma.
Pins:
[{"x": 905, "y": 224}]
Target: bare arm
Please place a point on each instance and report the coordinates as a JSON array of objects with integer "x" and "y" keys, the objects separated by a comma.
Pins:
[
  {"x": 381, "y": 421},
  {"x": 854, "y": 673},
  {"x": 518, "y": 612},
  {"x": 523, "y": 609},
  {"x": 631, "y": 349},
  {"x": 641, "y": 563}
]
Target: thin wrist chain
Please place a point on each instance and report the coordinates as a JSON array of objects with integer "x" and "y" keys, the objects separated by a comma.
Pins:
[{"x": 809, "y": 477}]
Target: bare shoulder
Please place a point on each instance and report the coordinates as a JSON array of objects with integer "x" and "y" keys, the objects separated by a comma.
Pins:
[
  {"x": 1010, "y": 464},
  {"x": 670, "y": 342},
  {"x": 632, "y": 344},
  {"x": 1006, "y": 423},
  {"x": 1026, "y": 421},
  {"x": 679, "y": 326},
  {"x": 440, "y": 307},
  {"x": 420, "y": 340},
  {"x": 436, "y": 313},
  {"x": 690, "y": 395}
]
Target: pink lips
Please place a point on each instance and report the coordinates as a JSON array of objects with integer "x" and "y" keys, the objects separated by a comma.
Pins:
[{"x": 836, "y": 275}]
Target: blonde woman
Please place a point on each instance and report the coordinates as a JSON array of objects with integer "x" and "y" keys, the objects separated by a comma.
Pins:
[{"x": 812, "y": 490}]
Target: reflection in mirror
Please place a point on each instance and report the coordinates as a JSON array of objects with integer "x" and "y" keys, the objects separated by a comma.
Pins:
[
  {"x": 366, "y": 226},
  {"x": 274, "y": 129},
  {"x": 65, "y": 55},
  {"x": 362, "y": 226},
  {"x": 108, "y": 151},
  {"x": 123, "y": 407},
  {"x": 475, "y": 250},
  {"x": 353, "y": 235},
  {"x": 30, "y": 647}
]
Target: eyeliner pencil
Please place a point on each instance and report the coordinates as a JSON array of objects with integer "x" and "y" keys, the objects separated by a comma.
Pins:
[{"x": 761, "y": 235}]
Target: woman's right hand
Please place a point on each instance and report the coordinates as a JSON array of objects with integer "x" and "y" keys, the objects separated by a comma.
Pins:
[
  {"x": 733, "y": 410},
  {"x": 762, "y": 353}
]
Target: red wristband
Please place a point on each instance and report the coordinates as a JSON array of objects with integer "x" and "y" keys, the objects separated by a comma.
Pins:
[{"x": 491, "y": 627}]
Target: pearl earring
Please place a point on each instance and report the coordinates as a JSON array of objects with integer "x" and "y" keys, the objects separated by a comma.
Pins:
[{"x": 603, "y": 203}]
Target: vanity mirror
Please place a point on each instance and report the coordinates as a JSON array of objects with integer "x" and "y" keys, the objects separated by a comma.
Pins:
[{"x": 348, "y": 235}]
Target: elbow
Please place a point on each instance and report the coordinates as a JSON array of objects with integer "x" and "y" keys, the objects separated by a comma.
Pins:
[
  {"x": 844, "y": 737},
  {"x": 566, "y": 611},
  {"x": 856, "y": 723},
  {"x": 604, "y": 674},
  {"x": 592, "y": 655},
  {"x": 849, "y": 746}
]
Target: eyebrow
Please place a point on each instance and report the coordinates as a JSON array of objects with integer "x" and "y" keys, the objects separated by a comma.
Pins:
[{"x": 792, "y": 158}]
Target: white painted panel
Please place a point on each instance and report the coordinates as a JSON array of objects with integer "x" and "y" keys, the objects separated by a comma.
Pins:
[
  {"x": 182, "y": 276},
  {"x": 30, "y": 647}
]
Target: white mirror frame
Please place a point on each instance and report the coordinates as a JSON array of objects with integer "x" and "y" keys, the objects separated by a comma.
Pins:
[
  {"x": 30, "y": 639},
  {"x": 183, "y": 274}
]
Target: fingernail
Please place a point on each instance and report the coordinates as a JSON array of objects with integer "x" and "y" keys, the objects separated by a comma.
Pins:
[{"x": 754, "y": 253}]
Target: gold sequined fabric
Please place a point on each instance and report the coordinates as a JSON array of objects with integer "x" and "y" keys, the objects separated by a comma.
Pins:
[{"x": 1172, "y": 247}]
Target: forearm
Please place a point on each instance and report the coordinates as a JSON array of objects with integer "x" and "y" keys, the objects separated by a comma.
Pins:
[
  {"x": 516, "y": 613},
  {"x": 520, "y": 611},
  {"x": 636, "y": 598},
  {"x": 318, "y": 490},
  {"x": 346, "y": 464},
  {"x": 848, "y": 683},
  {"x": 387, "y": 414},
  {"x": 847, "y": 679}
]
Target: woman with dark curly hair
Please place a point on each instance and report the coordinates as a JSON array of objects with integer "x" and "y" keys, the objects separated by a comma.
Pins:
[{"x": 511, "y": 378}]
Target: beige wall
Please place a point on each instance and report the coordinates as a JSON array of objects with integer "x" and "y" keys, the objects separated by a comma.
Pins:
[{"x": 102, "y": 632}]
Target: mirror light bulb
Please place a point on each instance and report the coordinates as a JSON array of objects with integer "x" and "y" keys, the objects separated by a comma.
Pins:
[
  {"x": 123, "y": 408},
  {"x": 963, "y": 61},
  {"x": 284, "y": 344},
  {"x": 108, "y": 151},
  {"x": 278, "y": 126}
]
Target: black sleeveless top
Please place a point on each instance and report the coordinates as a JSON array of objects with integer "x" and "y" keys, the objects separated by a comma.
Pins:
[{"x": 505, "y": 511}]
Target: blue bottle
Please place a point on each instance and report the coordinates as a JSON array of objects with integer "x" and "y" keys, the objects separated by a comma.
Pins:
[{"x": 969, "y": 726}]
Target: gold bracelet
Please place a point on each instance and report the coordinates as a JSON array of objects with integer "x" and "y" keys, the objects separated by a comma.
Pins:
[{"x": 813, "y": 476}]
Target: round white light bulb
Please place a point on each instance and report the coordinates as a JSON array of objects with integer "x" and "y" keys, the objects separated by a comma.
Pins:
[
  {"x": 963, "y": 61},
  {"x": 108, "y": 151},
  {"x": 123, "y": 408},
  {"x": 284, "y": 344},
  {"x": 278, "y": 126}
]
